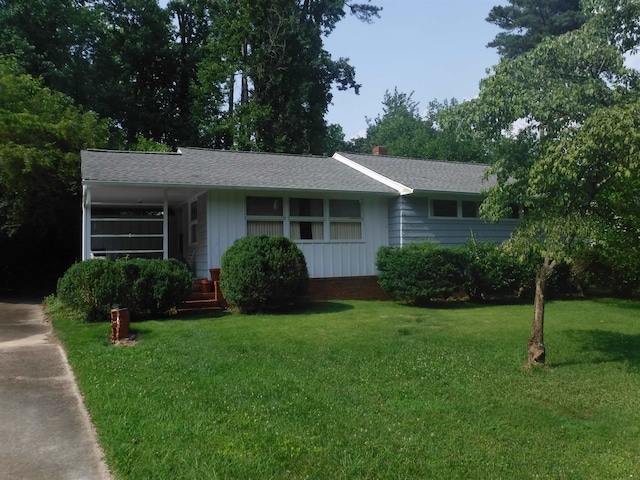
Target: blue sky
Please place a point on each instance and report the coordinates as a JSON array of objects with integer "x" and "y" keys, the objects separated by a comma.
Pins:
[{"x": 434, "y": 48}]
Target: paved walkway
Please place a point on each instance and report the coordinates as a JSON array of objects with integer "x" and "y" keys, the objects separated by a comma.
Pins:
[{"x": 45, "y": 431}]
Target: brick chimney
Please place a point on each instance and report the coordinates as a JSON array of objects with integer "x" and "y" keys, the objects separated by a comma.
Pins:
[{"x": 380, "y": 150}]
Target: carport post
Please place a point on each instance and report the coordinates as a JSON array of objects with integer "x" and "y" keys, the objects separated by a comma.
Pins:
[{"x": 165, "y": 225}]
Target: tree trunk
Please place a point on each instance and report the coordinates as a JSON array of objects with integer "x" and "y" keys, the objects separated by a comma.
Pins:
[{"x": 537, "y": 350}]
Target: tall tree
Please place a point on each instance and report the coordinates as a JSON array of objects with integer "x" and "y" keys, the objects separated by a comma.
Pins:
[
  {"x": 41, "y": 134},
  {"x": 274, "y": 77},
  {"x": 193, "y": 19},
  {"x": 573, "y": 162},
  {"x": 135, "y": 58},
  {"x": 528, "y": 22},
  {"x": 53, "y": 40}
]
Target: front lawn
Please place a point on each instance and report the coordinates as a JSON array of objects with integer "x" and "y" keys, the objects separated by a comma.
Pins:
[{"x": 375, "y": 390}]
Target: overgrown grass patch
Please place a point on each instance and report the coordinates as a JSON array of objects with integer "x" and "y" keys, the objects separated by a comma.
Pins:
[{"x": 367, "y": 390}]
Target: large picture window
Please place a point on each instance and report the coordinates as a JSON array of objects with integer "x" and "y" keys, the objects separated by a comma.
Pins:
[{"x": 306, "y": 219}]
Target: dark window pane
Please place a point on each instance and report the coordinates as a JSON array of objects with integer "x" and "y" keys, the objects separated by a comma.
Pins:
[
  {"x": 470, "y": 209},
  {"x": 445, "y": 208},
  {"x": 264, "y": 206},
  {"x": 306, "y": 207},
  {"x": 345, "y": 209}
]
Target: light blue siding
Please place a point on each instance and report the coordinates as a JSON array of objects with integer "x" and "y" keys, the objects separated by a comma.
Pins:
[{"x": 409, "y": 221}]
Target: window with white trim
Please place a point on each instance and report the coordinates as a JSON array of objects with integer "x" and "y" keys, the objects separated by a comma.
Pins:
[{"x": 306, "y": 219}]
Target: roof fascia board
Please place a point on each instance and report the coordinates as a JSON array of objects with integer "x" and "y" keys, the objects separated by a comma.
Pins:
[
  {"x": 181, "y": 186},
  {"x": 397, "y": 186}
]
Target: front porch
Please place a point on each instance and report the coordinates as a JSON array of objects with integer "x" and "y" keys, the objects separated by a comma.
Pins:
[{"x": 205, "y": 294}]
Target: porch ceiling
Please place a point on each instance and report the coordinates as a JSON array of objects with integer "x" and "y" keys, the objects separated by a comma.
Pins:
[{"x": 140, "y": 195}]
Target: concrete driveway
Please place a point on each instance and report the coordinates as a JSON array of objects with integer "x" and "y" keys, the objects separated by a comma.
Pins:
[{"x": 45, "y": 431}]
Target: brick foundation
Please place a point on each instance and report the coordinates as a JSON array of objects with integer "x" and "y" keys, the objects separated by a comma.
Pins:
[{"x": 346, "y": 288}]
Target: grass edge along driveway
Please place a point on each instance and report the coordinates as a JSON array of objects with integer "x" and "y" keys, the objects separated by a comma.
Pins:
[{"x": 371, "y": 390}]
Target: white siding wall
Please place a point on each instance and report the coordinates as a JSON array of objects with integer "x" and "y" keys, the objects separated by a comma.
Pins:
[{"x": 227, "y": 222}]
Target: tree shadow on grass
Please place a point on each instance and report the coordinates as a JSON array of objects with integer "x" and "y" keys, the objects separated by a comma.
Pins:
[
  {"x": 618, "y": 302},
  {"x": 318, "y": 308},
  {"x": 601, "y": 346}
]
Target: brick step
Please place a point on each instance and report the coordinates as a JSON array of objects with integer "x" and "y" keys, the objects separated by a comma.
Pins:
[{"x": 197, "y": 305}]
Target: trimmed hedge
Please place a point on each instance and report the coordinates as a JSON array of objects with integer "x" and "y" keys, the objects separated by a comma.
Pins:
[
  {"x": 261, "y": 273},
  {"x": 491, "y": 272},
  {"x": 155, "y": 286},
  {"x": 144, "y": 286},
  {"x": 91, "y": 287},
  {"x": 420, "y": 272}
]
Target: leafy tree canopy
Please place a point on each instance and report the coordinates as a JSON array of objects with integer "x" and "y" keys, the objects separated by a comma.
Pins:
[
  {"x": 406, "y": 133},
  {"x": 271, "y": 74},
  {"x": 528, "y": 22},
  {"x": 41, "y": 135},
  {"x": 561, "y": 122}
]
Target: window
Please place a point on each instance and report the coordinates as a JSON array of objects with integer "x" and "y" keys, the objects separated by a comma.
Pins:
[
  {"x": 345, "y": 220},
  {"x": 455, "y": 208},
  {"x": 270, "y": 213},
  {"x": 306, "y": 207},
  {"x": 306, "y": 218},
  {"x": 470, "y": 209},
  {"x": 445, "y": 208},
  {"x": 264, "y": 206},
  {"x": 193, "y": 222},
  {"x": 514, "y": 212},
  {"x": 345, "y": 209}
]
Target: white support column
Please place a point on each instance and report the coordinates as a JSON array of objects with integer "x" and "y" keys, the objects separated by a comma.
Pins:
[
  {"x": 165, "y": 225},
  {"x": 86, "y": 223}
]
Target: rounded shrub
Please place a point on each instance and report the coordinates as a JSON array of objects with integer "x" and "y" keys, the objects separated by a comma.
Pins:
[
  {"x": 420, "y": 272},
  {"x": 91, "y": 287},
  {"x": 261, "y": 273},
  {"x": 144, "y": 286},
  {"x": 154, "y": 286}
]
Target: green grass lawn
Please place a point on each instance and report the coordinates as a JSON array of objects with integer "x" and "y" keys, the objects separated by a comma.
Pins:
[{"x": 354, "y": 390}]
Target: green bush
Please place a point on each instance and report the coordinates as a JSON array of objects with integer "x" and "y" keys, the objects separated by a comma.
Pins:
[
  {"x": 420, "y": 272},
  {"x": 154, "y": 286},
  {"x": 91, "y": 287},
  {"x": 612, "y": 273},
  {"x": 491, "y": 272},
  {"x": 261, "y": 273},
  {"x": 144, "y": 286}
]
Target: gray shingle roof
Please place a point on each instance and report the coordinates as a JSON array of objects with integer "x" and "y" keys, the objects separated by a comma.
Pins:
[
  {"x": 249, "y": 170},
  {"x": 427, "y": 175},
  {"x": 225, "y": 169}
]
